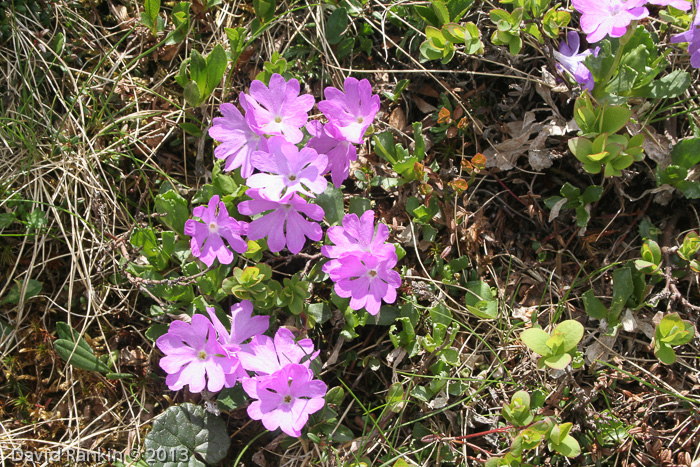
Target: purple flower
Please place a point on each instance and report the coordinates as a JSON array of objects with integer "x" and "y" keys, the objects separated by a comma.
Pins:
[
  {"x": 601, "y": 18},
  {"x": 679, "y": 4},
  {"x": 238, "y": 140},
  {"x": 357, "y": 237},
  {"x": 283, "y": 224},
  {"x": 366, "y": 280},
  {"x": 351, "y": 112},
  {"x": 286, "y": 399},
  {"x": 207, "y": 236},
  {"x": 288, "y": 170},
  {"x": 193, "y": 356},
  {"x": 570, "y": 60},
  {"x": 328, "y": 140},
  {"x": 243, "y": 326},
  {"x": 266, "y": 356},
  {"x": 692, "y": 37},
  {"x": 277, "y": 110}
]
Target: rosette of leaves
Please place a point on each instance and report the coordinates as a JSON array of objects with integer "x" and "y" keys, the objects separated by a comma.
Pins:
[
  {"x": 253, "y": 283},
  {"x": 507, "y": 29},
  {"x": 651, "y": 258},
  {"x": 557, "y": 349},
  {"x": 689, "y": 249},
  {"x": 535, "y": 16},
  {"x": 440, "y": 43},
  {"x": 629, "y": 291},
  {"x": 571, "y": 198},
  {"x": 599, "y": 147},
  {"x": 518, "y": 412},
  {"x": 671, "y": 331},
  {"x": 204, "y": 75}
]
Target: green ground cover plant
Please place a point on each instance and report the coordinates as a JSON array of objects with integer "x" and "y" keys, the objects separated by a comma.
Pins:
[{"x": 349, "y": 233}]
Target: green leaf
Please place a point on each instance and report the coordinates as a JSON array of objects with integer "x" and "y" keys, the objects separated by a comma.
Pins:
[
  {"x": 479, "y": 300},
  {"x": 665, "y": 354},
  {"x": 198, "y": 73},
  {"x": 149, "y": 18},
  {"x": 156, "y": 330},
  {"x": 175, "y": 209},
  {"x": 13, "y": 295},
  {"x": 536, "y": 339},
  {"x": 331, "y": 201},
  {"x": 336, "y": 25},
  {"x": 79, "y": 356},
  {"x": 181, "y": 21},
  {"x": 192, "y": 95},
  {"x": 568, "y": 447},
  {"x": 65, "y": 332},
  {"x": 395, "y": 398},
  {"x": 231, "y": 398},
  {"x": 384, "y": 146},
  {"x": 335, "y": 395},
  {"x": 264, "y": 10},
  {"x": 191, "y": 129},
  {"x": 571, "y": 331},
  {"x": 671, "y": 85},
  {"x": 558, "y": 362},
  {"x": 217, "y": 61},
  {"x": 441, "y": 11},
  {"x": 188, "y": 434}
]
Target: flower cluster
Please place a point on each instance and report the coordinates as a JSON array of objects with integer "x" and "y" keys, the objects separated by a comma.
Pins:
[
  {"x": 362, "y": 263},
  {"x": 204, "y": 354},
  {"x": 265, "y": 138},
  {"x": 283, "y": 177}
]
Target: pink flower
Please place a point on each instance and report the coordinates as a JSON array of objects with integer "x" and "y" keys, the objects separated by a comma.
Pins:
[
  {"x": 570, "y": 60},
  {"x": 328, "y": 140},
  {"x": 692, "y": 37},
  {"x": 357, "y": 236},
  {"x": 601, "y": 18},
  {"x": 238, "y": 140},
  {"x": 243, "y": 326},
  {"x": 367, "y": 280},
  {"x": 283, "y": 224},
  {"x": 193, "y": 356},
  {"x": 286, "y": 399},
  {"x": 207, "y": 236},
  {"x": 266, "y": 356},
  {"x": 277, "y": 110},
  {"x": 679, "y": 4},
  {"x": 288, "y": 170},
  {"x": 352, "y": 112}
]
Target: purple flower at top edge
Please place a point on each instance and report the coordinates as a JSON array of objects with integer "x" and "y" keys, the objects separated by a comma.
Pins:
[
  {"x": 238, "y": 140},
  {"x": 678, "y": 4},
  {"x": 326, "y": 139},
  {"x": 277, "y": 109},
  {"x": 357, "y": 236},
  {"x": 351, "y": 112},
  {"x": 286, "y": 399},
  {"x": 243, "y": 326},
  {"x": 570, "y": 60},
  {"x": 600, "y": 18},
  {"x": 287, "y": 169},
  {"x": 193, "y": 356},
  {"x": 692, "y": 37},
  {"x": 283, "y": 224},
  {"x": 367, "y": 280},
  {"x": 207, "y": 236},
  {"x": 266, "y": 356}
]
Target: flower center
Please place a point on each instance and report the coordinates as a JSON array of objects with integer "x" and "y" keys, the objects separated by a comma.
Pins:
[
  {"x": 287, "y": 399},
  {"x": 372, "y": 273},
  {"x": 202, "y": 355},
  {"x": 360, "y": 119},
  {"x": 213, "y": 227},
  {"x": 292, "y": 177},
  {"x": 278, "y": 119}
]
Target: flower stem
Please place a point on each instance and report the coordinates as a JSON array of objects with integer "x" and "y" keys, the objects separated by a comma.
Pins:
[{"x": 599, "y": 87}]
